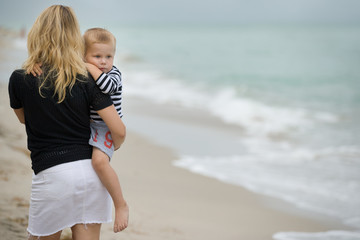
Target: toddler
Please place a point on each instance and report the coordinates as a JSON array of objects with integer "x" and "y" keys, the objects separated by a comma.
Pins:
[{"x": 99, "y": 57}]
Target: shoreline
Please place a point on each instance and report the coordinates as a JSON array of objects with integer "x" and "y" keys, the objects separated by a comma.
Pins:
[{"x": 166, "y": 202}]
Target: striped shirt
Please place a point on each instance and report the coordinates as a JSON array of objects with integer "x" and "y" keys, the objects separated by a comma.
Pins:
[{"x": 109, "y": 83}]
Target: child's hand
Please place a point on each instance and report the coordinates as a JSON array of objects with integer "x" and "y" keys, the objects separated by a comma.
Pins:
[
  {"x": 88, "y": 66},
  {"x": 93, "y": 70},
  {"x": 36, "y": 71}
]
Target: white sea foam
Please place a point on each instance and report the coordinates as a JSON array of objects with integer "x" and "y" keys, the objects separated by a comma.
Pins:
[
  {"x": 330, "y": 235},
  {"x": 305, "y": 177},
  {"x": 255, "y": 117}
]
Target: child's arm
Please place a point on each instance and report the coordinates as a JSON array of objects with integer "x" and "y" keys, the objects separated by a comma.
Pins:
[
  {"x": 109, "y": 83},
  {"x": 36, "y": 71},
  {"x": 93, "y": 70}
]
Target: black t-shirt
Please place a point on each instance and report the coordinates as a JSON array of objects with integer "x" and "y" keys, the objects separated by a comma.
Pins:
[{"x": 57, "y": 132}]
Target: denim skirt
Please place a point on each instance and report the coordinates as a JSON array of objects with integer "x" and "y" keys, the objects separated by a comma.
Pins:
[{"x": 65, "y": 195}]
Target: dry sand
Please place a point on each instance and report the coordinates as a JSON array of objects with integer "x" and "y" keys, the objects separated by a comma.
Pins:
[{"x": 165, "y": 202}]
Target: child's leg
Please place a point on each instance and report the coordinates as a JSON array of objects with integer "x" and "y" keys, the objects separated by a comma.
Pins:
[{"x": 108, "y": 177}]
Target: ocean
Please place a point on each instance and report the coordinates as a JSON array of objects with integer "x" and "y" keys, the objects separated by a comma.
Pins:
[
  {"x": 289, "y": 93},
  {"x": 293, "y": 92}
]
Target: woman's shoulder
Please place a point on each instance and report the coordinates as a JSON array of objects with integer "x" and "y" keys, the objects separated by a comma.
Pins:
[
  {"x": 18, "y": 72},
  {"x": 86, "y": 84},
  {"x": 17, "y": 76},
  {"x": 85, "y": 81}
]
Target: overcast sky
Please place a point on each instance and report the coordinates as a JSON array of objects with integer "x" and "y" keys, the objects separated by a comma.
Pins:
[{"x": 18, "y": 13}]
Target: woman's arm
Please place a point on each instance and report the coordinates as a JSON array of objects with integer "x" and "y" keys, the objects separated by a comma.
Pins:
[
  {"x": 115, "y": 124},
  {"x": 20, "y": 115}
]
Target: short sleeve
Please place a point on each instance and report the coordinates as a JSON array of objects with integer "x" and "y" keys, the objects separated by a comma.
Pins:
[
  {"x": 98, "y": 99},
  {"x": 14, "y": 89}
]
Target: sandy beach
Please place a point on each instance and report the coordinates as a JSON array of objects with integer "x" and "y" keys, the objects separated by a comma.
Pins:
[
  {"x": 242, "y": 117},
  {"x": 165, "y": 202}
]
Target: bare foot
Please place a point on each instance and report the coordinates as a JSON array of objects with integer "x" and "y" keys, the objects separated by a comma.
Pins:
[{"x": 121, "y": 218}]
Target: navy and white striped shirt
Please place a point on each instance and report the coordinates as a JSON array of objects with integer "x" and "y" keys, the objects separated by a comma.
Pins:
[{"x": 109, "y": 83}]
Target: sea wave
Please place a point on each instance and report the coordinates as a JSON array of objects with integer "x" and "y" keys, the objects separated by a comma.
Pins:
[
  {"x": 330, "y": 235},
  {"x": 301, "y": 176},
  {"x": 257, "y": 118}
]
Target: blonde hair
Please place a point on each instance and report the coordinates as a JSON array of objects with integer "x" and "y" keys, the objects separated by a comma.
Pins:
[
  {"x": 98, "y": 35},
  {"x": 55, "y": 41}
]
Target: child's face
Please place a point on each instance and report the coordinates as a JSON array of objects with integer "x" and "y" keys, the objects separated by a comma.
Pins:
[{"x": 101, "y": 55}]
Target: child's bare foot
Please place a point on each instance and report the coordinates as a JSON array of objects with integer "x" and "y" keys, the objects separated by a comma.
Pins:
[{"x": 121, "y": 218}]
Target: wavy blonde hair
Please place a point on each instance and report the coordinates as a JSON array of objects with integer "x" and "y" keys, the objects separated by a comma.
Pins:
[{"x": 55, "y": 41}]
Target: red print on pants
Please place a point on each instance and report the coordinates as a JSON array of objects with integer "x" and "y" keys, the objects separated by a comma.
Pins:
[
  {"x": 96, "y": 134},
  {"x": 108, "y": 142}
]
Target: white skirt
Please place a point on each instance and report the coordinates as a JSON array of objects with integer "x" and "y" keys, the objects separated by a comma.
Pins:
[{"x": 65, "y": 195}]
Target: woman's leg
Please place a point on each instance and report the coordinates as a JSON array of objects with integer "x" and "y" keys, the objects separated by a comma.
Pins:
[
  {"x": 86, "y": 232},
  {"x": 55, "y": 236}
]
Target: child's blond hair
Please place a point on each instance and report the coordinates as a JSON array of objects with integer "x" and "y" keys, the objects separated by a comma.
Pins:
[{"x": 98, "y": 35}]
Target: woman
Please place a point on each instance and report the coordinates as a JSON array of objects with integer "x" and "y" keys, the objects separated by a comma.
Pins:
[{"x": 55, "y": 108}]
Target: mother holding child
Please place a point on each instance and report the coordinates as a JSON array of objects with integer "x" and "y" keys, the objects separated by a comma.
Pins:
[{"x": 68, "y": 188}]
